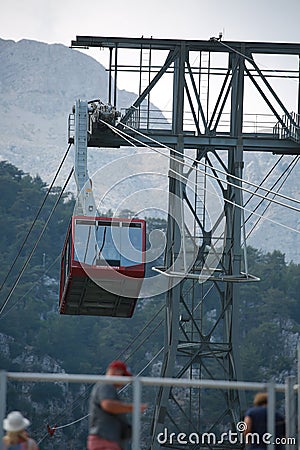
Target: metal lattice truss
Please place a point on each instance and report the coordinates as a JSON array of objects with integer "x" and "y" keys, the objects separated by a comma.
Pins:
[{"x": 211, "y": 122}]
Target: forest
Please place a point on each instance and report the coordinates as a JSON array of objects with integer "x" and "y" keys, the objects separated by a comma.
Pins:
[{"x": 34, "y": 337}]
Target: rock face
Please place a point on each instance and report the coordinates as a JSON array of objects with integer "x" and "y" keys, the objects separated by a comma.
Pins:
[
  {"x": 26, "y": 358},
  {"x": 41, "y": 401},
  {"x": 39, "y": 84}
]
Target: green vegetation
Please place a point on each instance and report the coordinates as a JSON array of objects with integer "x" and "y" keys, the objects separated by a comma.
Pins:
[
  {"x": 269, "y": 318},
  {"x": 34, "y": 337}
]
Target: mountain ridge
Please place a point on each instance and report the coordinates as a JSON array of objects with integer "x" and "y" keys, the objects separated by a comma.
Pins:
[{"x": 39, "y": 84}]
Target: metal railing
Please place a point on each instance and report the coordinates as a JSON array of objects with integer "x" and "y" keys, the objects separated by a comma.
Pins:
[
  {"x": 253, "y": 123},
  {"x": 290, "y": 389},
  {"x": 289, "y": 128}
]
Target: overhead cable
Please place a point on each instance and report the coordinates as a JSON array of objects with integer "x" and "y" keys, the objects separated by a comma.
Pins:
[
  {"x": 35, "y": 245},
  {"x": 30, "y": 289},
  {"x": 176, "y": 174},
  {"x": 36, "y": 217},
  {"x": 84, "y": 396},
  {"x": 203, "y": 164},
  {"x": 264, "y": 179},
  {"x": 251, "y": 60},
  {"x": 294, "y": 162},
  {"x": 288, "y": 169}
]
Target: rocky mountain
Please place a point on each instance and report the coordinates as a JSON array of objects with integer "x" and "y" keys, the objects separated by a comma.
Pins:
[{"x": 39, "y": 84}]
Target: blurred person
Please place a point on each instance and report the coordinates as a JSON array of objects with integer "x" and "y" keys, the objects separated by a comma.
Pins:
[
  {"x": 108, "y": 425},
  {"x": 16, "y": 437},
  {"x": 256, "y": 422}
]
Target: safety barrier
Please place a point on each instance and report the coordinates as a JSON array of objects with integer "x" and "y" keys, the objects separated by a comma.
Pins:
[{"x": 290, "y": 389}]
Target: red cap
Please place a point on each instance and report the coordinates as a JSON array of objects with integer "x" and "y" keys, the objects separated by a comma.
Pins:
[{"x": 120, "y": 365}]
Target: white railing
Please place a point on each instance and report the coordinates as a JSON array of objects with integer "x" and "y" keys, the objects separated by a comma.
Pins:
[
  {"x": 290, "y": 389},
  {"x": 289, "y": 128},
  {"x": 253, "y": 123}
]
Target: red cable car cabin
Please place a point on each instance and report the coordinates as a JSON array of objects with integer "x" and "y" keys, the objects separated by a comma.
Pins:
[{"x": 102, "y": 266}]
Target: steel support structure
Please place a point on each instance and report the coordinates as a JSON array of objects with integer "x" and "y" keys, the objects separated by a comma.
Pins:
[
  {"x": 202, "y": 302},
  {"x": 85, "y": 204}
]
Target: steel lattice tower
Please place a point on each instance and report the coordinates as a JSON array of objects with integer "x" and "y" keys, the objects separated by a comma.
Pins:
[{"x": 205, "y": 263}]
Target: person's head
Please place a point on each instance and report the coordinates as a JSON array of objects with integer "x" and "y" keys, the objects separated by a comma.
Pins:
[
  {"x": 15, "y": 422},
  {"x": 14, "y": 425},
  {"x": 118, "y": 368},
  {"x": 260, "y": 399}
]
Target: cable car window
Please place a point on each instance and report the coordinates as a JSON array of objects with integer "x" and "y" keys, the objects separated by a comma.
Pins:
[
  {"x": 131, "y": 251},
  {"x": 84, "y": 241},
  {"x": 109, "y": 223},
  {"x": 66, "y": 260},
  {"x": 110, "y": 242},
  {"x": 131, "y": 224},
  {"x": 68, "y": 255},
  {"x": 85, "y": 222}
]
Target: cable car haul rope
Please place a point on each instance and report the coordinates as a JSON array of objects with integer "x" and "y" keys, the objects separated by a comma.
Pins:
[{"x": 103, "y": 259}]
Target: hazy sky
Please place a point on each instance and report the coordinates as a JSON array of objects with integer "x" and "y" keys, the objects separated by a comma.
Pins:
[{"x": 61, "y": 20}]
